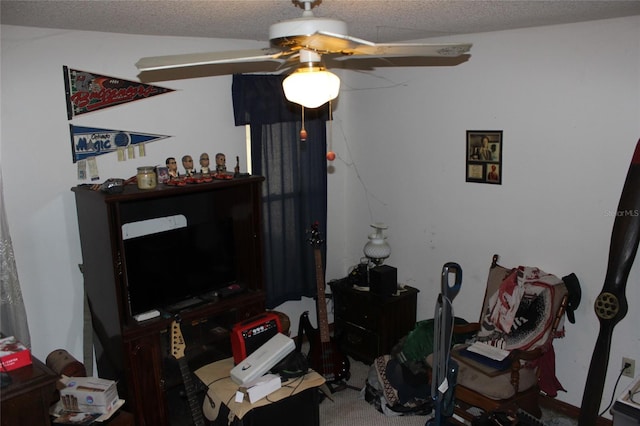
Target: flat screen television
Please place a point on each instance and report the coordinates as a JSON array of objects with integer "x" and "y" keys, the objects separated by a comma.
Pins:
[{"x": 166, "y": 267}]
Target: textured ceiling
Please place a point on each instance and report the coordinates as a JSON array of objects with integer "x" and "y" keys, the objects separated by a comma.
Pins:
[{"x": 378, "y": 21}]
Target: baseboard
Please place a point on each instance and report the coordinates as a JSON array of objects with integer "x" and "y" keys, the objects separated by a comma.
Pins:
[{"x": 568, "y": 409}]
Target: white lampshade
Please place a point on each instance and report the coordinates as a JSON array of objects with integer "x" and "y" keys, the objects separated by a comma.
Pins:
[
  {"x": 377, "y": 249},
  {"x": 311, "y": 86}
]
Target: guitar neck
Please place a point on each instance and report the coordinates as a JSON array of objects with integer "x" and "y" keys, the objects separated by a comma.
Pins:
[
  {"x": 190, "y": 390},
  {"x": 323, "y": 321}
]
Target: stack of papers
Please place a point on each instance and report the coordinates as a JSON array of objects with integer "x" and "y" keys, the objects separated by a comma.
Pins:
[
  {"x": 488, "y": 351},
  {"x": 63, "y": 416},
  {"x": 494, "y": 358}
]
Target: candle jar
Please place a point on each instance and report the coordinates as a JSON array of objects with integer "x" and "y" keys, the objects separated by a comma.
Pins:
[{"x": 146, "y": 177}]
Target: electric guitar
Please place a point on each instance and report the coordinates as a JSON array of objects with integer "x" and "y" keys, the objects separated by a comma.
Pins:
[
  {"x": 324, "y": 355},
  {"x": 177, "y": 351}
]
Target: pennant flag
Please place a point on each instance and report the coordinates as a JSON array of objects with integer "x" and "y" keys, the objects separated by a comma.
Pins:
[
  {"x": 90, "y": 141},
  {"x": 88, "y": 92}
]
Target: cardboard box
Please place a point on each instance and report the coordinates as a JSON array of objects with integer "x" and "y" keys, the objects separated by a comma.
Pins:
[
  {"x": 264, "y": 386},
  {"x": 89, "y": 394},
  {"x": 13, "y": 354}
]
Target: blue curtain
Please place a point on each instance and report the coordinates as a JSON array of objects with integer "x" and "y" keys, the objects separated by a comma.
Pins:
[{"x": 295, "y": 187}]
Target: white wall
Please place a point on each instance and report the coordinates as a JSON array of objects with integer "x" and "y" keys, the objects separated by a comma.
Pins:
[
  {"x": 36, "y": 155},
  {"x": 567, "y": 98}
]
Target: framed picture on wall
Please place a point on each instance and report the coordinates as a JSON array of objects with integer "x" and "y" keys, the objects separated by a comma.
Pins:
[{"x": 484, "y": 156}]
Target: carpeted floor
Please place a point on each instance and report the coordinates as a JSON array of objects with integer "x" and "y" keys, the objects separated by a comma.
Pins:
[{"x": 348, "y": 407}]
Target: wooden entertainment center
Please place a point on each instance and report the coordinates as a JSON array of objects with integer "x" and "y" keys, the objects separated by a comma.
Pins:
[{"x": 137, "y": 354}]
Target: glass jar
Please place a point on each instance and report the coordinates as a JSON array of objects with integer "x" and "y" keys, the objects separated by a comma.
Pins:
[{"x": 146, "y": 177}]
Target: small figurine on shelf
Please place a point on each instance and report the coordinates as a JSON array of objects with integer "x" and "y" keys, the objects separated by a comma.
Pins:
[
  {"x": 173, "y": 167},
  {"x": 187, "y": 163},
  {"x": 221, "y": 163},
  {"x": 236, "y": 170},
  {"x": 163, "y": 174},
  {"x": 204, "y": 163}
]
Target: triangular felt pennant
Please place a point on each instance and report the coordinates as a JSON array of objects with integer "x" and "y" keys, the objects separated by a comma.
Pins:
[
  {"x": 90, "y": 141},
  {"x": 88, "y": 92}
]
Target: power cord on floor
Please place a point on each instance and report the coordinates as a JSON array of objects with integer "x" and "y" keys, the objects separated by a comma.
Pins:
[{"x": 613, "y": 394}]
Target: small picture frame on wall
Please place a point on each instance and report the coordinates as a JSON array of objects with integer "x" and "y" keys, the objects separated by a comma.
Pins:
[{"x": 484, "y": 156}]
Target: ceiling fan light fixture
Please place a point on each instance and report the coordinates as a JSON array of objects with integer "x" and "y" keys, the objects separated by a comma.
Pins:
[{"x": 311, "y": 86}]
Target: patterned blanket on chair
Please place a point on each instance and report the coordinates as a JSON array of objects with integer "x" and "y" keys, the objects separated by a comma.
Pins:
[{"x": 521, "y": 313}]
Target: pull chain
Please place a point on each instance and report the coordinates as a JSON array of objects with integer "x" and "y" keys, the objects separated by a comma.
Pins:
[
  {"x": 303, "y": 132},
  {"x": 330, "y": 154}
]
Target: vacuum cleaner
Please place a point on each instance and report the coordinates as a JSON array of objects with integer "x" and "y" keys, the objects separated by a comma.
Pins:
[{"x": 444, "y": 369}]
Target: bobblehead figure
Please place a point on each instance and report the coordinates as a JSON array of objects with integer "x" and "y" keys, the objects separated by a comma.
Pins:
[
  {"x": 187, "y": 163},
  {"x": 221, "y": 162},
  {"x": 204, "y": 163}
]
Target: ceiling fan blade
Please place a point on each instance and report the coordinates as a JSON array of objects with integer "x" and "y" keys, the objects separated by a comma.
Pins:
[
  {"x": 354, "y": 47},
  {"x": 327, "y": 42},
  {"x": 388, "y": 50},
  {"x": 289, "y": 39},
  {"x": 155, "y": 63}
]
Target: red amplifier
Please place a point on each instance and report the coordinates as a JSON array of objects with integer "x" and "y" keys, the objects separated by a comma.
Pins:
[{"x": 250, "y": 334}]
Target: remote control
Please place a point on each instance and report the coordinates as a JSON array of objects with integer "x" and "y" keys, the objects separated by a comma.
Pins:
[
  {"x": 154, "y": 313},
  {"x": 231, "y": 290}
]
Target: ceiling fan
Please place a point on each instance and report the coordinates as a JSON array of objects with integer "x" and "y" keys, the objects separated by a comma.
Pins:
[{"x": 301, "y": 43}]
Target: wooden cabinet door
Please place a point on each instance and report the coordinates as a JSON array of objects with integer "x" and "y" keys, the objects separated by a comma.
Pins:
[{"x": 146, "y": 387}]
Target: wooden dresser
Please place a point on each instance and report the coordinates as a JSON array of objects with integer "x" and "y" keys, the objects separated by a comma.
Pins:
[{"x": 368, "y": 325}]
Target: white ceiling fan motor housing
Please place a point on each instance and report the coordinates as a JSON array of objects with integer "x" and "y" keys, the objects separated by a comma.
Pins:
[{"x": 306, "y": 27}]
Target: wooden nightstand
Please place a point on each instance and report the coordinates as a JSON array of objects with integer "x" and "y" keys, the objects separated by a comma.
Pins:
[
  {"x": 368, "y": 325},
  {"x": 26, "y": 401}
]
